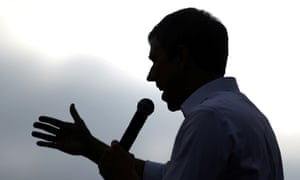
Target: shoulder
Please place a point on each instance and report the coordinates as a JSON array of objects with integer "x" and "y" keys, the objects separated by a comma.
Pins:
[{"x": 205, "y": 119}]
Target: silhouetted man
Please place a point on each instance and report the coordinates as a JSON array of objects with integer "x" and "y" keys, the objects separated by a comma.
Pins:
[{"x": 223, "y": 137}]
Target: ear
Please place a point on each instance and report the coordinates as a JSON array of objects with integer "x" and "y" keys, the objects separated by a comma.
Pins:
[{"x": 183, "y": 55}]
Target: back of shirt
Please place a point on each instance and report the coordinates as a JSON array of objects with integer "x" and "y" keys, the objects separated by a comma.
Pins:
[{"x": 255, "y": 153}]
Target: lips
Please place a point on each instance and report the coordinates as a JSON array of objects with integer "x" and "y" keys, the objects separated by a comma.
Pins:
[
  {"x": 159, "y": 87},
  {"x": 164, "y": 96}
]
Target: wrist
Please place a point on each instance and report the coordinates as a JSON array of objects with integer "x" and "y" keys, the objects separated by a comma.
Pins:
[
  {"x": 139, "y": 167},
  {"x": 94, "y": 149}
]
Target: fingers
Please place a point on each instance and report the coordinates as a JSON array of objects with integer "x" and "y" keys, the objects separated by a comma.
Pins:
[
  {"x": 53, "y": 121},
  {"x": 49, "y": 125},
  {"x": 116, "y": 163},
  {"x": 75, "y": 114},
  {"x": 49, "y": 140},
  {"x": 115, "y": 145},
  {"x": 47, "y": 144},
  {"x": 107, "y": 153},
  {"x": 43, "y": 136},
  {"x": 115, "y": 150},
  {"x": 46, "y": 127}
]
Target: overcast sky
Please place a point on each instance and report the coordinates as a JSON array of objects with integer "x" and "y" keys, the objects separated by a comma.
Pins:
[{"x": 94, "y": 53}]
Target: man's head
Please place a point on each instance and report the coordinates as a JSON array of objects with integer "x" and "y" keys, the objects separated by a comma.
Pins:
[{"x": 186, "y": 43}]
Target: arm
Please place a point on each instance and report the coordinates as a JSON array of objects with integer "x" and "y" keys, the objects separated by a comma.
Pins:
[{"x": 73, "y": 138}]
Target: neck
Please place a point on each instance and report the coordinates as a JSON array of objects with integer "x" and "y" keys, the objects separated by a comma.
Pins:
[{"x": 195, "y": 80}]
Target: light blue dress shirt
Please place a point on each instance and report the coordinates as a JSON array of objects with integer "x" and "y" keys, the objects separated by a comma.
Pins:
[{"x": 223, "y": 137}]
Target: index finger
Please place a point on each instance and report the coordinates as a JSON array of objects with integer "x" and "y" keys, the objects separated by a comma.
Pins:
[{"x": 52, "y": 121}]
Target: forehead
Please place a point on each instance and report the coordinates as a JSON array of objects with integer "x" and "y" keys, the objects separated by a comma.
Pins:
[{"x": 155, "y": 48}]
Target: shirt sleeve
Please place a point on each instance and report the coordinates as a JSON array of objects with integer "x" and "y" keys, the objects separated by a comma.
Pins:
[{"x": 153, "y": 171}]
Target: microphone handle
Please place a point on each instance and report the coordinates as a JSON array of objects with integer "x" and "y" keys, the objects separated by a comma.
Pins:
[{"x": 132, "y": 130}]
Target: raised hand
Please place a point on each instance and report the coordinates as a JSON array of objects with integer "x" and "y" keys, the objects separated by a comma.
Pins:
[
  {"x": 72, "y": 138},
  {"x": 75, "y": 139}
]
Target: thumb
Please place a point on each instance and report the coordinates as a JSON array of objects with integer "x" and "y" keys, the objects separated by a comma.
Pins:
[
  {"x": 75, "y": 115},
  {"x": 115, "y": 143},
  {"x": 116, "y": 146}
]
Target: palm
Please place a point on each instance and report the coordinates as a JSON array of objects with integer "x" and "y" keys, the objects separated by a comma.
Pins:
[{"x": 72, "y": 140}]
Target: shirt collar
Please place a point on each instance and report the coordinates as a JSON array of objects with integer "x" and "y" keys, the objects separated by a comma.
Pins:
[{"x": 217, "y": 85}]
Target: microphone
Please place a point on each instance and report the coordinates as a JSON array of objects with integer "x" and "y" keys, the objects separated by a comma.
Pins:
[{"x": 144, "y": 108}]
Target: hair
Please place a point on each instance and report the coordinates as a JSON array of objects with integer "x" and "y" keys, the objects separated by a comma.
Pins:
[{"x": 204, "y": 35}]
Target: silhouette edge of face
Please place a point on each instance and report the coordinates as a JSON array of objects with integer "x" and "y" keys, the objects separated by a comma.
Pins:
[{"x": 167, "y": 75}]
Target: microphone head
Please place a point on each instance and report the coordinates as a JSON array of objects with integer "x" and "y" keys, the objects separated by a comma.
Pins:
[{"x": 145, "y": 106}]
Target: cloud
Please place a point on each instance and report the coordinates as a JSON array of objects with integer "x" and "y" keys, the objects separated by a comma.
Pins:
[{"x": 104, "y": 95}]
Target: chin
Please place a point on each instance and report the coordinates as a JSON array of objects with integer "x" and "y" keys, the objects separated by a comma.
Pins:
[
  {"x": 172, "y": 103},
  {"x": 173, "y": 107}
]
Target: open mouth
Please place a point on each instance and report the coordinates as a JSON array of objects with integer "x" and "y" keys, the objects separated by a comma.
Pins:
[{"x": 159, "y": 87}]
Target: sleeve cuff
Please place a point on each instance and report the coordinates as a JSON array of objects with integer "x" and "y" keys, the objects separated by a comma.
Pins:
[{"x": 153, "y": 171}]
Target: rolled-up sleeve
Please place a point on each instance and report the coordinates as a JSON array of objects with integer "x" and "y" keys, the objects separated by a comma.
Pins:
[{"x": 153, "y": 171}]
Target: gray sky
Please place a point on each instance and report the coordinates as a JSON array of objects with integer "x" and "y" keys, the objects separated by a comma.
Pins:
[
  {"x": 105, "y": 96},
  {"x": 94, "y": 54}
]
